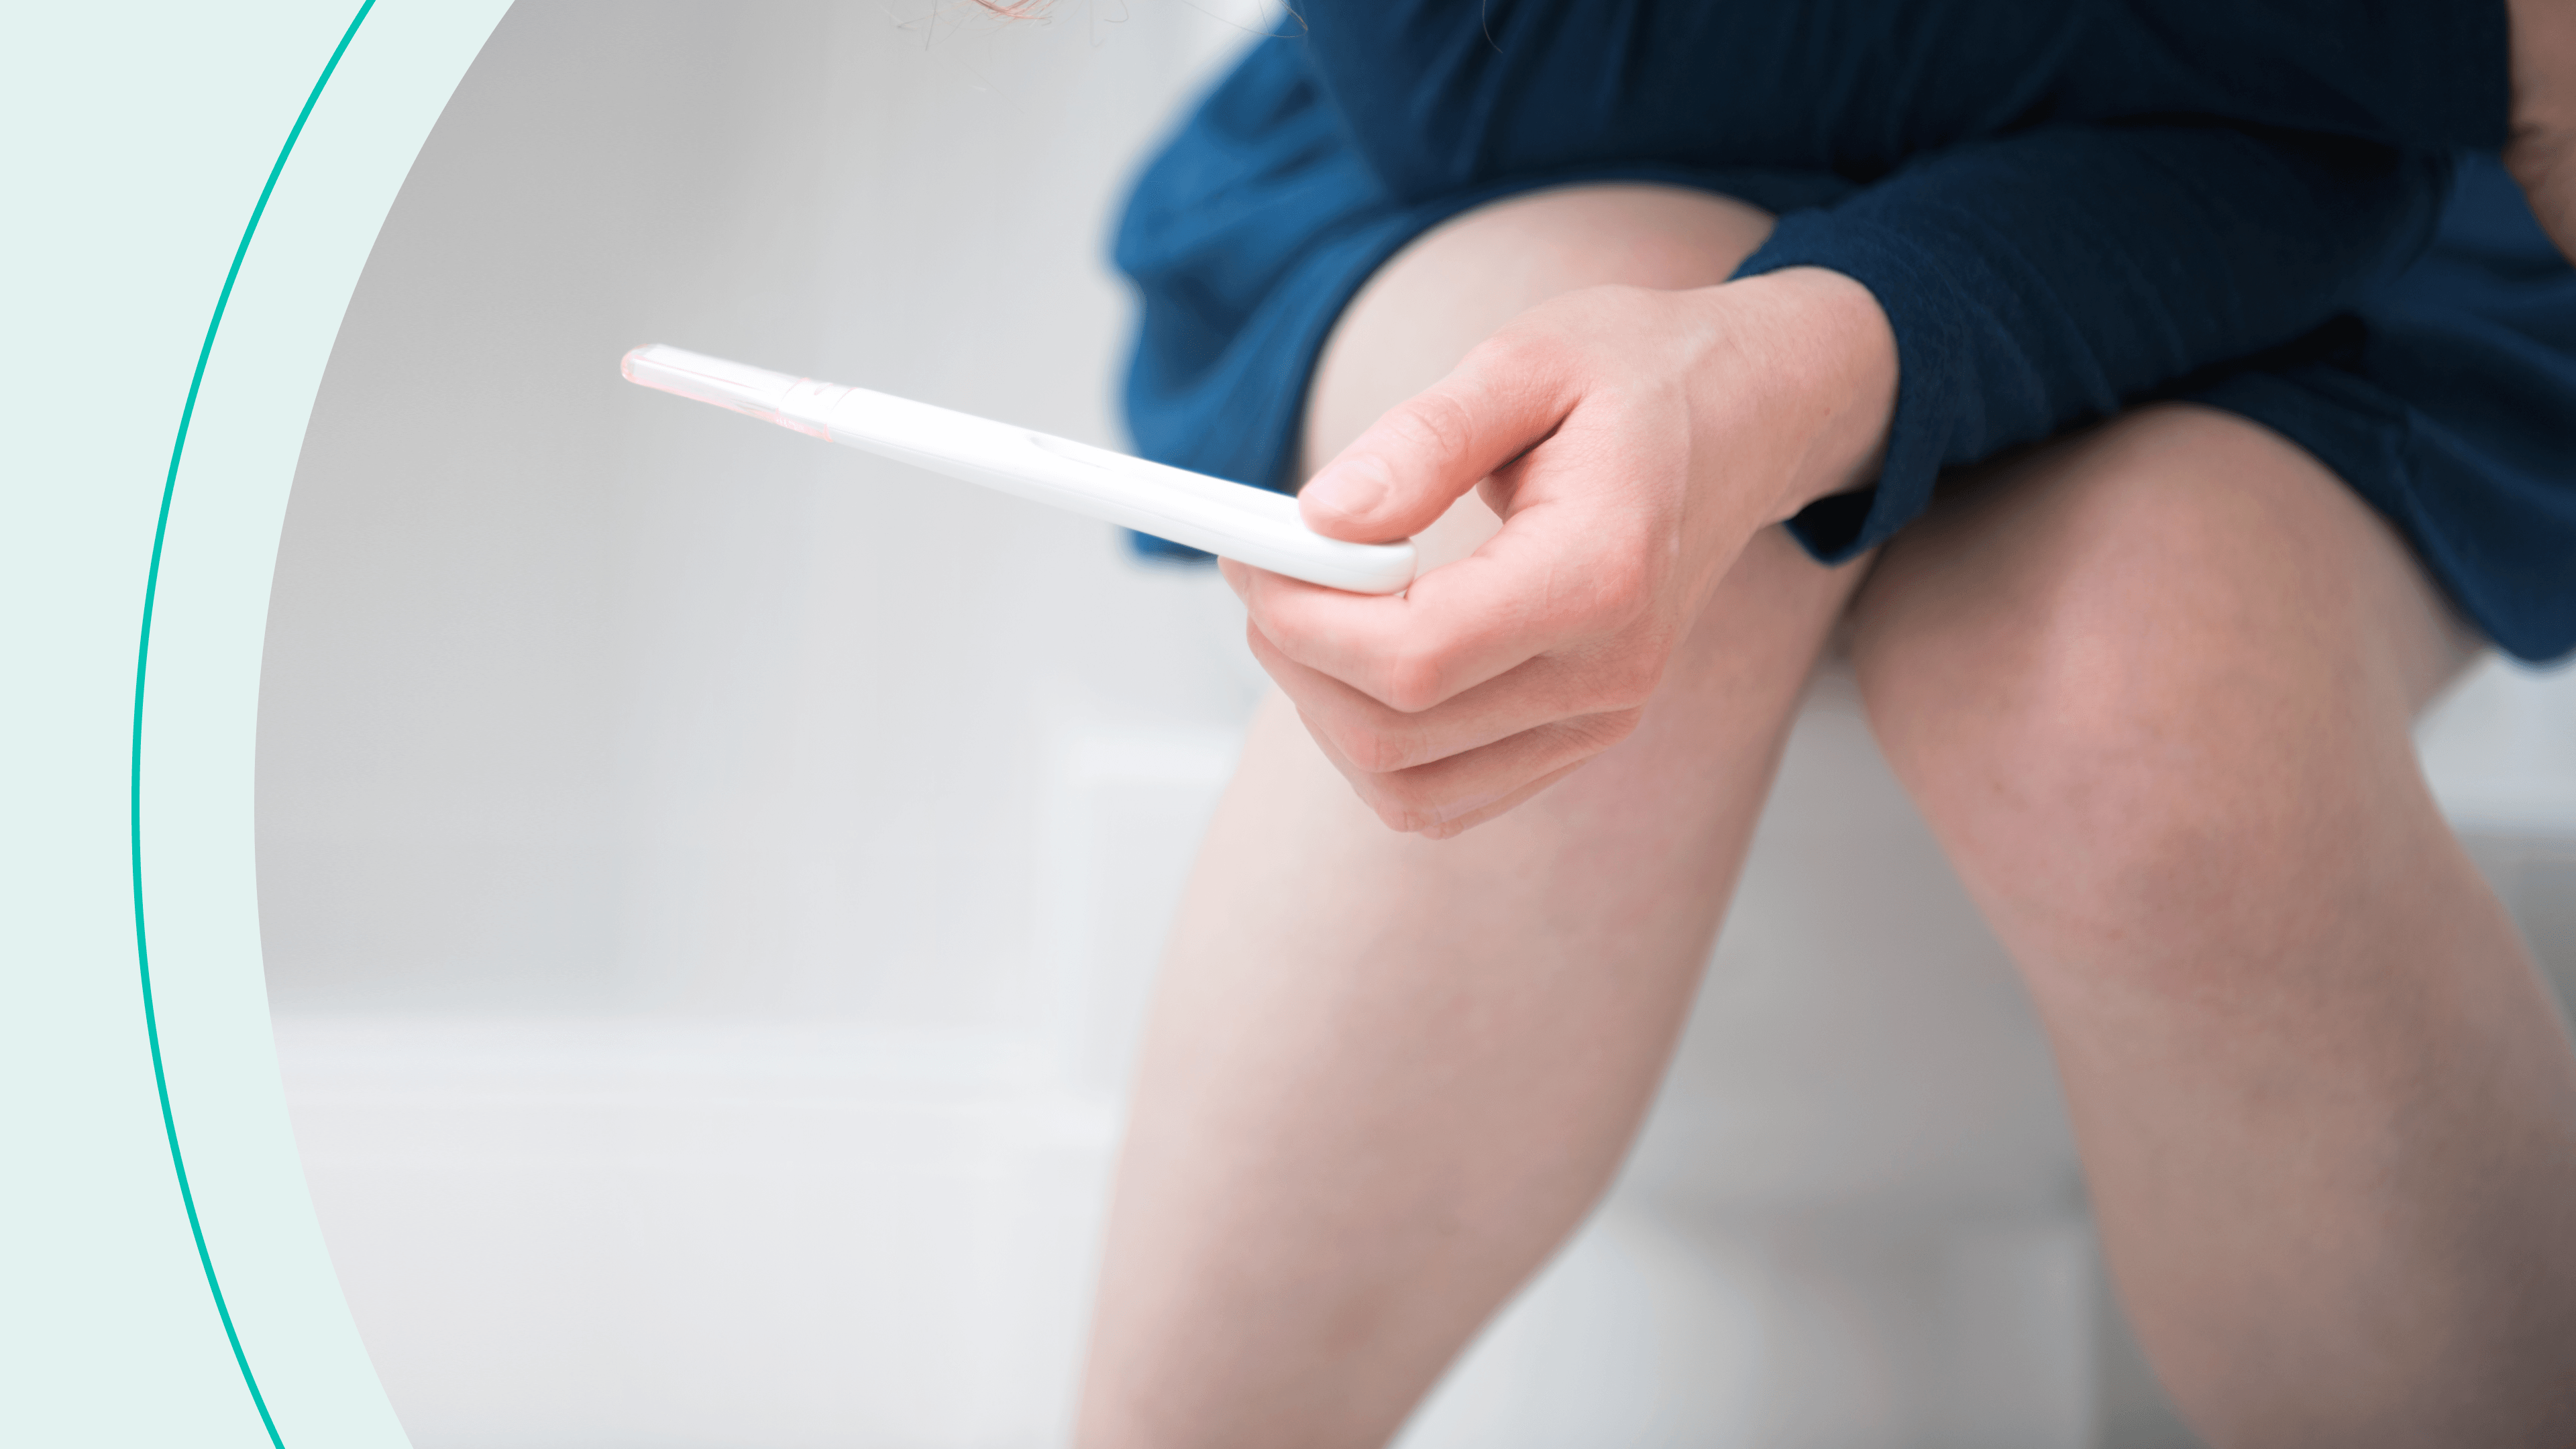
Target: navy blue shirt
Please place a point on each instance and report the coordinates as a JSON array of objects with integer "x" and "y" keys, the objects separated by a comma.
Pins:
[
  {"x": 1444, "y": 94},
  {"x": 2062, "y": 209}
]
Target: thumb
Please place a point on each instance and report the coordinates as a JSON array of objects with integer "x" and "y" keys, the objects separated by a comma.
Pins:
[{"x": 1397, "y": 478}]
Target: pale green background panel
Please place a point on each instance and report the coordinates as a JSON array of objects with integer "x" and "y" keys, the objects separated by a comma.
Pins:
[{"x": 139, "y": 139}]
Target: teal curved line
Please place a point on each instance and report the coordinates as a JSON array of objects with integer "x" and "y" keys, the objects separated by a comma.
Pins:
[{"x": 134, "y": 776}]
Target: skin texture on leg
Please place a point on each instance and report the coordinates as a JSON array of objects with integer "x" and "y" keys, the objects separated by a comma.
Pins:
[
  {"x": 2542, "y": 151},
  {"x": 2152, "y": 686},
  {"x": 1385, "y": 1075}
]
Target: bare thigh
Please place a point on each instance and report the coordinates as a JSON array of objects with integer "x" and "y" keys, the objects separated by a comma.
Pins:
[
  {"x": 2153, "y": 686},
  {"x": 1385, "y": 1075}
]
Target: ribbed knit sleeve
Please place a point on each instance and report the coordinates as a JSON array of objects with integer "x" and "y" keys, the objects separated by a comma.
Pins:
[
  {"x": 1438, "y": 95},
  {"x": 2043, "y": 279}
]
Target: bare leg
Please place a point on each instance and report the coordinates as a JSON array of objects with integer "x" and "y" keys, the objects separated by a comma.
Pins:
[
  {"x": 1386, "y": 1075},
  {"x": 2542, "y": 152},
  {"x": 2152, "y": 686}
]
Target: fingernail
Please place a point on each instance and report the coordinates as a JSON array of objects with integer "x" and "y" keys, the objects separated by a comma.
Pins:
[{"x": 1352, "y": 489}]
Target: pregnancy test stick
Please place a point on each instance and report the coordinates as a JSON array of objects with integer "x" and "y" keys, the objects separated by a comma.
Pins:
[{"x": 1254, "y": 525}]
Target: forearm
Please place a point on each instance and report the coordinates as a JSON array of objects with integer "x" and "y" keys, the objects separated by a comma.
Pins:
[{"x": 2039, "y": 281}]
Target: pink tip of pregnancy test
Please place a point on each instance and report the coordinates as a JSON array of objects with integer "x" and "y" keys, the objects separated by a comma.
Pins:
[{"x": 753, "y": 390}]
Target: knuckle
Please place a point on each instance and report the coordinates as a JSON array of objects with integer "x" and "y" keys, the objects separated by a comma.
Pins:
[
  {"x": 1412, "y": 682},
  {"x": 1520, "y": 351},
  {"x": 1281, "y": 630},
  {"x": 1392, "y": 803},
  {"x": 1366, "y": 743},
  {"x": 1605, "y": 730},
  {"x": 1401, "y": 821},
  {"x": 1439, "y": 422},
  {"x": 1368, "y": 750},
  {"x": 1519, "y": 364}
]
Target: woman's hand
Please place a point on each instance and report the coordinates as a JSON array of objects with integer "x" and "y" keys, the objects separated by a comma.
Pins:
[{"x": 1631, "y": 442}]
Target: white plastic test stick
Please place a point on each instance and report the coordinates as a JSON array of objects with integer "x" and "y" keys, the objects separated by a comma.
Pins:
[{"x": 1254, "y": 525}]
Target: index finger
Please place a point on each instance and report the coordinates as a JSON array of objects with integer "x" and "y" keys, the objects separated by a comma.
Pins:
[
  {"x": 1425, "y": 453},
  {"x": 1538, "y": 585}
]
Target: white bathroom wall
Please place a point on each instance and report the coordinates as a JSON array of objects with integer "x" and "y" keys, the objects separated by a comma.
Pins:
[
  {"x": 710, "y": 879},
  {"x": 651, "y": 803},
  {"x": 579, "y": 693}
]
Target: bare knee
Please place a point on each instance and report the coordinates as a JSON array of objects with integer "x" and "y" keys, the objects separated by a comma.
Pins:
[
  {"x": 1458, "y": 283},
  {"x": 2133, "y": 686},
  {"x": 2061, "y": 765}
]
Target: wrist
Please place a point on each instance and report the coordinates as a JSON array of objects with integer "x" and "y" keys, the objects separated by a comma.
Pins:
[{"x": 1829, "y": 357}]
